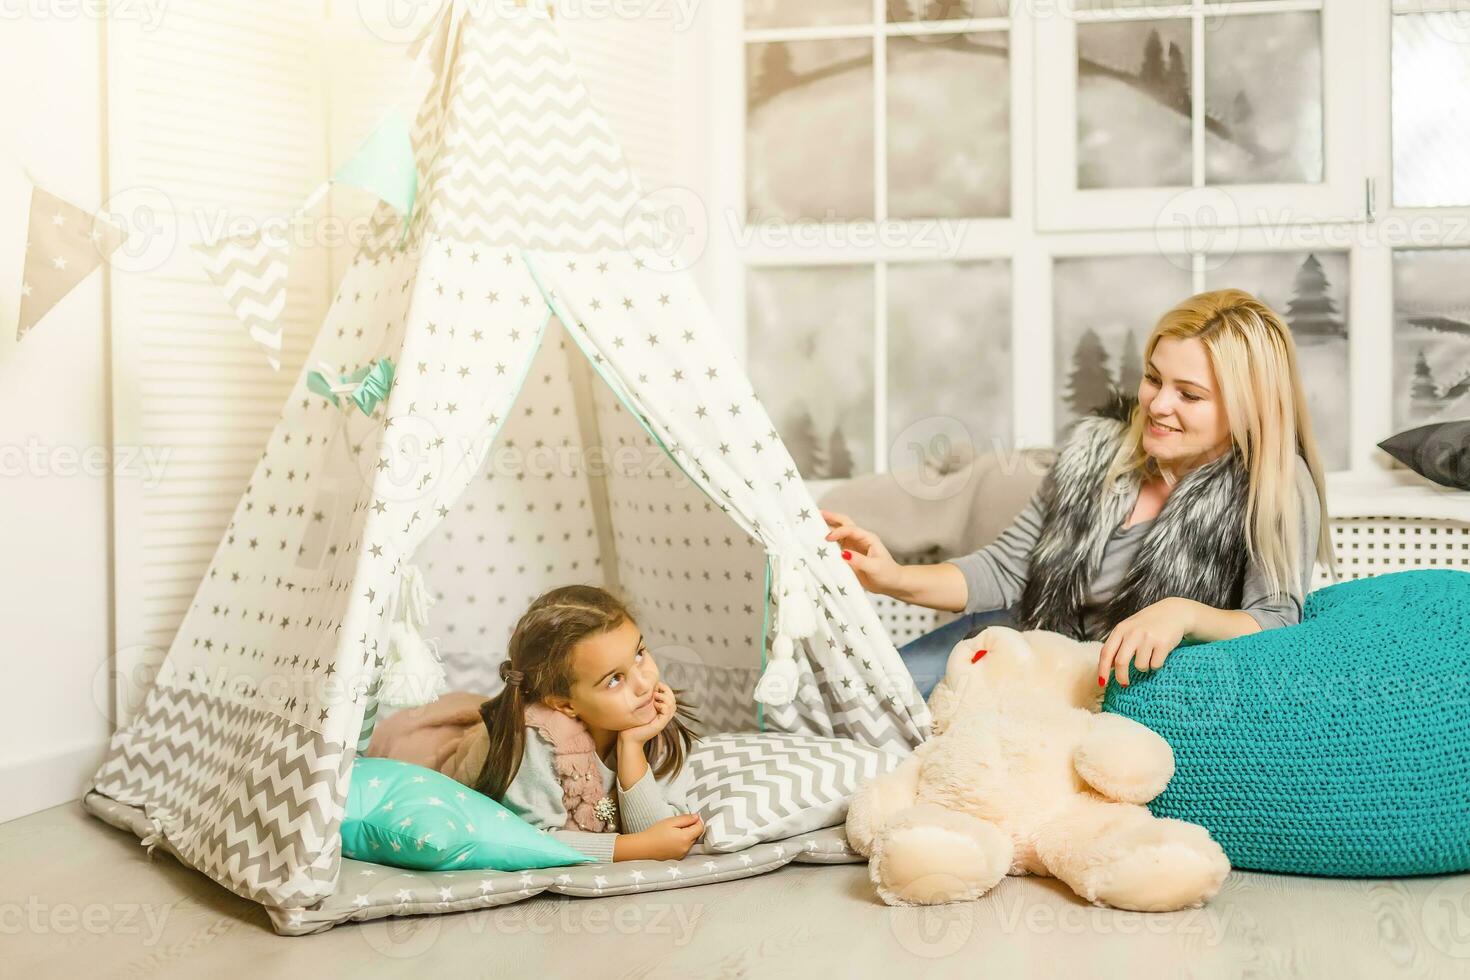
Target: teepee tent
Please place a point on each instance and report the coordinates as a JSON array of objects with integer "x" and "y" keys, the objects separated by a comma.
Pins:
[{"x": 562, "y": 410}]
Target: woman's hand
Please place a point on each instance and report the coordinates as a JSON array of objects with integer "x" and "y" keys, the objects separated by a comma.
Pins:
[
  {"x": 668, "y": 840},
  {"x": 876, "y": 570},
  {"x": 664, "y": 706},
  {"x": 1144, "y": 639}
]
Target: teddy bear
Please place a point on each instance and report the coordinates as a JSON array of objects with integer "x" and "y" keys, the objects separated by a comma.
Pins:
[{"x": 1023, "y": 775}]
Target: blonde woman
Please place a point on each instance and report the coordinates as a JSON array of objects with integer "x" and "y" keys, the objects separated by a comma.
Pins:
[{"x": 1194, "y": 511}]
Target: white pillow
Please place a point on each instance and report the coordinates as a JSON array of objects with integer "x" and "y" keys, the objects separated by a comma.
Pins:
[{"x": 758, "y": 786}]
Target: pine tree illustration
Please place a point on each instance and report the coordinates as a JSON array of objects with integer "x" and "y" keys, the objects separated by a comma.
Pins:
[
  {"x": 1423, "y": 393},
  {"x": 801, "y": 440},
  {"x": 1242, "y": 113},
  {"x": 1090, "y": 382},
  {"x": 1151, "y": 72},
  {"x": 1176, "y": 78},
  {"x": 946, "y": 9},
  {"x": 899, "y": 11},
  {"x": 839, "y": 458},
  {"x": 1130, "y": 365},
  {"x": 775, "y": 71},
  {"x": 1312, "y": 311}
]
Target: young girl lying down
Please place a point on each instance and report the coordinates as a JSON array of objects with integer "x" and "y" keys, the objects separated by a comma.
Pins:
[{"x": 584, "y": 741}]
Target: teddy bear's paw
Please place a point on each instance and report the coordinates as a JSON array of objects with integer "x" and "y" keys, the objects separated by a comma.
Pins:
[
  {"x": 1159, "y": 876},
  {"x": 929, "y": 856}
]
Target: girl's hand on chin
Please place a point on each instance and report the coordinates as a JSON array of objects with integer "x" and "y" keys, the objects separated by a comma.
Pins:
[{"x": 664, "y": 705}]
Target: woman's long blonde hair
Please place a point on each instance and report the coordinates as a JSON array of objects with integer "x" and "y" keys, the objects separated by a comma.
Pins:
[{"x": 1255, "y": 363}]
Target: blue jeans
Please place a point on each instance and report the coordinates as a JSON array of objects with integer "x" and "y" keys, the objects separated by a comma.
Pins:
[{"x": 926, "y": 656}]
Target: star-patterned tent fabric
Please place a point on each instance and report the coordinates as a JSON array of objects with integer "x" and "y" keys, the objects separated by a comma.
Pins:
[{"x": 562, "y": 411}]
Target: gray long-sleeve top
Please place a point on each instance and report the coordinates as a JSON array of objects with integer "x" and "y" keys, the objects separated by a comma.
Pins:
[
  {"x": 996, "y": 574},
  {"x": 535, "y": 795}
]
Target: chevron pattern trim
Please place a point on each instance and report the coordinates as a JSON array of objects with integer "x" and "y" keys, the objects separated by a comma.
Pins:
[
  {"x": 250, "y": 799},
  {"x": 526, "y": 158},
  {"x": 252, "y": 274},
  {"x": 755, "y": 787}
]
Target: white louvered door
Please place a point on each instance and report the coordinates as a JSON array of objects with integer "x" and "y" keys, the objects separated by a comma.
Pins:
[{"x": 214, "y": 115}]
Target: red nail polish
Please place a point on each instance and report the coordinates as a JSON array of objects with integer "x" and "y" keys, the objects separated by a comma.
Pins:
[
  {"x": 847, "y": 555},
  {"x": 1101, "y": 682}
]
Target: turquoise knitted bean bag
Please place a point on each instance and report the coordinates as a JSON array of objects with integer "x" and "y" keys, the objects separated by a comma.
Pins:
[{"x": 1338, "y": 746}]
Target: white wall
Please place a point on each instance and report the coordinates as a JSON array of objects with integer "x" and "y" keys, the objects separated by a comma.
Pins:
[{"x": 54, "y": 546}]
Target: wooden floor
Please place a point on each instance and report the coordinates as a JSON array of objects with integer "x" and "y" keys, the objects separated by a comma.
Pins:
[{"x": 78, "y": 898}]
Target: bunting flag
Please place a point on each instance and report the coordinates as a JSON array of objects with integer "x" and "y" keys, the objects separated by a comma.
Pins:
[
  {"x": 15, "y": 199},
  {"x": 384, "y": 165},
  {"x": 252, "y": 274},
  {"x": 63, "y": 245}
]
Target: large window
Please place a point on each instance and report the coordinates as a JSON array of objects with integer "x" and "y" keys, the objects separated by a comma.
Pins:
[{"x": 967, "y": 217}]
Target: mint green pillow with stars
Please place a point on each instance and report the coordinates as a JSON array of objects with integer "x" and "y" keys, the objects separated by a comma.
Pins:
[{"x": 408, "y": 816}]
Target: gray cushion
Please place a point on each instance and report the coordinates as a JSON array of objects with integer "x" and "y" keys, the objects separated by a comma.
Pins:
[
  {"x": 760, "y": 786},
  {"x": 1438, "y": 452}
]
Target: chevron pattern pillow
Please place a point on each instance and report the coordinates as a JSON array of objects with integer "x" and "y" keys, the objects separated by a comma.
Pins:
[{"x": 752, "y": 787}]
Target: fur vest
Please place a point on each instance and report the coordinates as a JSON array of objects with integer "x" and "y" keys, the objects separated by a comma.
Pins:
[
  {"x": 1195, "y": 547},
  {"x": 450, "y": 736},
  {"x": 576, "y": 767}
]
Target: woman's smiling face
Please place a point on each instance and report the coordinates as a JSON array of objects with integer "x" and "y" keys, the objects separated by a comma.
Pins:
[
  {"x": 1185, "y": 419},
  {"x": 615, "y": 677}
]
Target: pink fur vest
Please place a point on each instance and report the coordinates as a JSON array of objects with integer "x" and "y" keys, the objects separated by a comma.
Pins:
[{"x": 576, "y": 767}]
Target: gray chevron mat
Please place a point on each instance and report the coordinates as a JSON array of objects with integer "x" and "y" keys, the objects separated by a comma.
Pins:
[{"x": 761, "y": 786}]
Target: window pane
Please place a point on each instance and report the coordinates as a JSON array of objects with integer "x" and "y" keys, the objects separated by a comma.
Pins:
[
  {"x": 900, "y": 11},
  {"x": 808, "y": 13},
  {"x": 1104, "y": 309},
  {"x": 1263, "y": 99},
  {"x": 811, "y": 363},
  {"x": 1431, "y": 336},
  {"x": 949, "y": 138},
  {"x": 809, "y": 130},
  {"x": 949, "y": 356},
  {"x": 1309, "y": 291},
  {"x": 1133, "y": 104},
  {"x": 1125, "y": 4},
  {"x": 1431, "y": 110}
]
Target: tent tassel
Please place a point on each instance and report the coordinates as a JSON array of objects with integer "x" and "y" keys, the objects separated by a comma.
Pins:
[
  {"x": 413, "y": 673},
  {"x": 796, "y": 618}
]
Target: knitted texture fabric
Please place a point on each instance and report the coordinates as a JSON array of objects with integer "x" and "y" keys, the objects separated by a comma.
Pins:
[{"x": 1337, "y": 746}]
